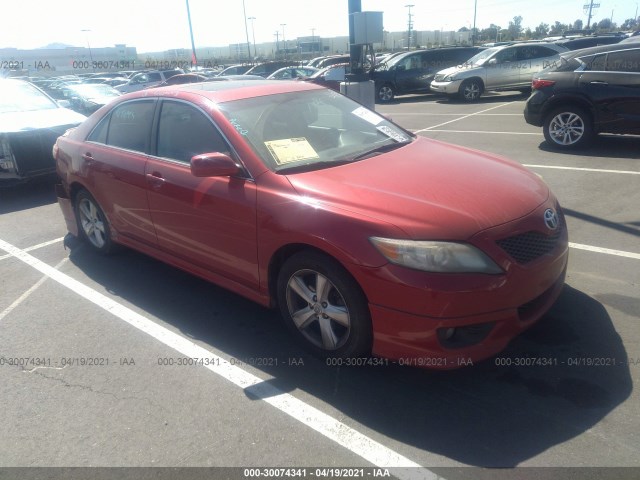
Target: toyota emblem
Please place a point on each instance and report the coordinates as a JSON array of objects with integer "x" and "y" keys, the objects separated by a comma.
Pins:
[{"x": 550, "y": 219}]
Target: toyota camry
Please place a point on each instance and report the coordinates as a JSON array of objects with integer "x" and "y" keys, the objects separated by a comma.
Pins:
[{"x": 369, "y": 239}]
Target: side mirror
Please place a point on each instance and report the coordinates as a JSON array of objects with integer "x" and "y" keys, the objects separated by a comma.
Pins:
[
  {"x": 214, "y": 164},
  {"x": 493, "y": 61}
]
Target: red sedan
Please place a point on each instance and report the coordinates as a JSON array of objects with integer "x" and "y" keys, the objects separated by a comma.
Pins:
[{"x": 369, "y": 239}]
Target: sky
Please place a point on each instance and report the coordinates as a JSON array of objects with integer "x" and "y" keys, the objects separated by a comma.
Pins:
[{"x": 156, "y": 25}]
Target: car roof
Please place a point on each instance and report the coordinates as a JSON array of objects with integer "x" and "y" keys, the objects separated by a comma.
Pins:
[{"x": 599, "y": 49}]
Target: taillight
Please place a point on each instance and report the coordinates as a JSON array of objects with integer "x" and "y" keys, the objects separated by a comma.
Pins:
[{"x": 537, "y": 83}]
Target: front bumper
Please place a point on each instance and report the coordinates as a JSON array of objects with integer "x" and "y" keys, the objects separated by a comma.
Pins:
[
  {"x": 446, "y": 321},
  {"x": 448, "y": 88}
]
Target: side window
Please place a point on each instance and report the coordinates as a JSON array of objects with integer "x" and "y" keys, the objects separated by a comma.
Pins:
[
  {"x": 184, "y": 132},
  {"x": 99, "y": 133},
  {"x": 624, "y": 61},
  {"x": 595, "y": 63},
  {"x": 506, "y": 55},
  {"x": 130, "y": 125},
  {"x": 154, "y": 77}
]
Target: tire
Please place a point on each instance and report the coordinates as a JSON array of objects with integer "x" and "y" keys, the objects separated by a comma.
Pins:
[
  {"x": 92, "y": 223},
  {"x": 567, "y": 128},
  {"x": 386, "y": 93},
  {"x": 334, "y": 324},
  {"x": 470, "y": 90}
]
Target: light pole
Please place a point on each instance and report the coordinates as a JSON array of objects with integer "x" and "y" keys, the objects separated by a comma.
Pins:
[
  {"x": 246, "y": 30},
  {"x": 86, "y": 31},
  {"x": 313, "y": 42},
  {"x": 409, "y": 27},
  {"x": 473, "y": 32},
  {"x": 284, "y": 42},
  {"x": 253, "y": 32},
  {"x": 194, "y": 59},
  {"x": 277, "y": 35}
]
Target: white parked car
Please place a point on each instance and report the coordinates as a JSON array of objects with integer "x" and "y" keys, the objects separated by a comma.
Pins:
[{"x": 506, "y": 67}]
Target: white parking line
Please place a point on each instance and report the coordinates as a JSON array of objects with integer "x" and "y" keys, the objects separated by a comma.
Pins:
[
  {"x": 480, "y": 131},
  {"x": 347, "y": 437},
  {"x": 35, "y": 247},
  {"x": 581, "y": 169},
  {"x": 26, "y": 294},
  {"x": 608, "y": 251},
  {"x": 461, "y": 118}
]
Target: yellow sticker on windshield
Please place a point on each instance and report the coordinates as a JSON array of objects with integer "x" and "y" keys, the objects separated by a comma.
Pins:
[{"x": 290, "y": 150}]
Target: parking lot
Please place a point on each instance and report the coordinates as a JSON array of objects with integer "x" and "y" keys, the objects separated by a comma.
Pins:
[{"x": 123, "y": 361}]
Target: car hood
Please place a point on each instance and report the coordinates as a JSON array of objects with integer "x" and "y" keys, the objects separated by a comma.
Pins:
[
  {"x": 429, "y": 189},
  {"x": 461, "y": 68},
  {"x": 38, "y": 119}
]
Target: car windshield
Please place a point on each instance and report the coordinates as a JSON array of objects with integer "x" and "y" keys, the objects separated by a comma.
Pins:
[
  {"x": 21, "y": 97},
  {"x": 312, "y": 129},
  {"x": 479, "y": 58}
]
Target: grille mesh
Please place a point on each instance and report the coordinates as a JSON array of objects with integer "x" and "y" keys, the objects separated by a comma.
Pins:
[{"x": 528, "y": 246}]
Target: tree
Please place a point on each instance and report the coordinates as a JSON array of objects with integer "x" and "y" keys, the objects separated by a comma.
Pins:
[
  {"x": 558, "y": 28},
  {"x": 604, "y": 25},
  {"x": 630, "y": 24},
  {"x": 515, "y": 28},
  {"x": 541, "y": 31},
  {"x": 577, "y": 25}
]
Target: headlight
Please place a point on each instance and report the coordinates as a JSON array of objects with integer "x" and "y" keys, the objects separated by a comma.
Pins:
[
  {"x": 450, "y": 78},
  {"x": 431, "y": 256}
]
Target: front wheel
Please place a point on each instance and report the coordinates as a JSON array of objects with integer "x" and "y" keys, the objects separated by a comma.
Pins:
[
  {"x": 470, "y": 90},
  {"x": 92, "y": 223},
  {"x": 567, "y": 127},
  {"x": 386, "y": 93},
  {"x": 324, "y": 306}
]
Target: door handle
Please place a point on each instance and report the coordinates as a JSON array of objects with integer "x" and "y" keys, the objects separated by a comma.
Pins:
[
  {"x": 598, "y": 82},
  {"x": 87, "y": 157},
  {"x": 155, "y": 179}
]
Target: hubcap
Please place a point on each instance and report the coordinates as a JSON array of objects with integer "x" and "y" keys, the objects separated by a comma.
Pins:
[
  {"x": 471, "y": 91},
  {"x": 92, "y": 224},
  {"x": 566, "y": 128},
  {"x": 385, "y": 94},
  {"x": 318, "y": 309}
]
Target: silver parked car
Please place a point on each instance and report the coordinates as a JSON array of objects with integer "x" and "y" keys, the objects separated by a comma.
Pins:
[{"x": 507, "y": 67}]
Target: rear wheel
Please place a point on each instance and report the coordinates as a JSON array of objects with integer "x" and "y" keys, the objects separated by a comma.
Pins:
[
  {"x": 568, "y": 127},
  {"x": 470, "y": 90},
  {"x": 386, "y": 93},
  {"x": 324, "y": 306},
  {"x": 92, "y": 223}
]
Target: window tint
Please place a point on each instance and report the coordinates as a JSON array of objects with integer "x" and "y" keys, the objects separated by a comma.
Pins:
[
  {"x": 531, "y": 52},
  {"x": 99, "y": 133},
  {"x": 506, "y": 55},
  {"x": 625, "y": 61},
  {"x": 130, "y": 125},
  {"x": 595, "y": 62},
  {"x": 184, "y": 132}
]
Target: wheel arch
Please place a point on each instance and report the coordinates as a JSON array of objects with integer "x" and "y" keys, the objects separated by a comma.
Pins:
[
  {"x": 285, "y": 252},
  {"x": 568, "y": 101}
]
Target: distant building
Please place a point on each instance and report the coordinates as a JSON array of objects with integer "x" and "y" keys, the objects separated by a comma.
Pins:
[{"x": 69, "y": 60}]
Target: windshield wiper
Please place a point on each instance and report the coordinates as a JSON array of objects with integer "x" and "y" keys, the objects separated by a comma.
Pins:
[
  {"x": 307, "y": 167},
  {"x": 381, "y": 149}
]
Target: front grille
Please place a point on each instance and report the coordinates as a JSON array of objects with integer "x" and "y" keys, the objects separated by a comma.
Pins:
[{"x": 527, "y": 247}]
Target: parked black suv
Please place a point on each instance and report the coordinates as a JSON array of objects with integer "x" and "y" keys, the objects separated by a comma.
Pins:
[
  {"x": 412, "y": 72},
  {"x": 590, "y": 91},
  {"x": 588, "y": 41}
]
